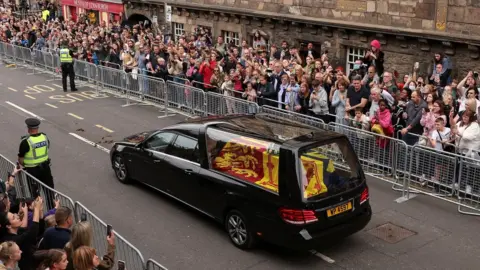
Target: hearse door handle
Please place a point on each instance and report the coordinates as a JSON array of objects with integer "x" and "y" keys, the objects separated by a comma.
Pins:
[
  {"x": 188, "y": 171},
  {"x": 157, "y": 161}
]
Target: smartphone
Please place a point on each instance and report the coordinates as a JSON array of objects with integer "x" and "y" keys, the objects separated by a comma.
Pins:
[
  {"x": 18, "y": 165},
  {"x": 36, "y": 193},
  {"x": 56, "y": 196},
  {"x": 83, "y": 217},
  {"x": 121, "y": 265},
  {"x": 109, "y": 230}
]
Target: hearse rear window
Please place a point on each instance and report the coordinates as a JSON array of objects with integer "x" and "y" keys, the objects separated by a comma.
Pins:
[
  {"x": 328, "y": 169},
  {"x": 245, "y": 158}
]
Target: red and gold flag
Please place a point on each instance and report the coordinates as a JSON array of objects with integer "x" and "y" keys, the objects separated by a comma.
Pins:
[{"x": 252, "y": 160}]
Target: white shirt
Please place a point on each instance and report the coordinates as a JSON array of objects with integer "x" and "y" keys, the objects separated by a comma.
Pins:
[
  {"x": 469, "y": 138},
  {"x": 445, "y": 135}
]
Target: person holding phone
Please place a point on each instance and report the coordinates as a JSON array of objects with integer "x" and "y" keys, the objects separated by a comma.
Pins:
[
  {"x": 82, "y": 235},
  {"x": 14, "y": 230},
  {"x": 10, "y": 202},
  {"x": 86, "y": 258}
]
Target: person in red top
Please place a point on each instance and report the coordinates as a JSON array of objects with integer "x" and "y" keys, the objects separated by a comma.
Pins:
[{"x": 206, "y": 69}]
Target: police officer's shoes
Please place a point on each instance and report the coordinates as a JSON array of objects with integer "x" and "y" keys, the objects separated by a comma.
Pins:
[{"x": 74, "y": 90}]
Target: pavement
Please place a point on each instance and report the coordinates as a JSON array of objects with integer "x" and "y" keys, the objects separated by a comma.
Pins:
[{"x": 437, "y": 236}]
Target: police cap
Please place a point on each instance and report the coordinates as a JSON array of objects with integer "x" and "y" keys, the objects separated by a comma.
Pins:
[{"x": 32, "y": 122}]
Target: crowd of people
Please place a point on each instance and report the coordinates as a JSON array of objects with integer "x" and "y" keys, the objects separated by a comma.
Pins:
[
  {"x": 430, "y": 108},
  {"x": 33, "y": 238}
]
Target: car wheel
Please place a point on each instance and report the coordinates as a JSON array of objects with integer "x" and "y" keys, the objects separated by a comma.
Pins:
[
  {"x": 238, "y": 230},
  {"x": 120, "y": 169}
]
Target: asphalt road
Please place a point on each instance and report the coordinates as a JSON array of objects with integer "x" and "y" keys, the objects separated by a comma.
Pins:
[{"x": 180, "y": 238}]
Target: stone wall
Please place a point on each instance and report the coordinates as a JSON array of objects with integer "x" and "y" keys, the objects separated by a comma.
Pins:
[
  {"x": 427, "y": 21},
  {"x": 443, "y": 17}
]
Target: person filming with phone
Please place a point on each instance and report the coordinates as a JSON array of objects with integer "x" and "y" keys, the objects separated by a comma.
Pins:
[
  {"x": 15, "y": 229},
  {"x": 82, "y": 236}
]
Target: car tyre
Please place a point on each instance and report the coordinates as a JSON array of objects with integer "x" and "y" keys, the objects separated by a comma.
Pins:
[
  {"x": 120, "y": 169},
  {"x": 239, "y": 231}
]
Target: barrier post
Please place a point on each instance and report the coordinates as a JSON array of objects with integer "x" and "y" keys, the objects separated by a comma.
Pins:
[
  {"x": 153, "y": 265},
  {"x": 124, "y": 250}
]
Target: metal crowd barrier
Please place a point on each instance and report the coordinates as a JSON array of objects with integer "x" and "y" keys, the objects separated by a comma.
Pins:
[
  {"x": 293, "y": 116},
  {"x": 124, "y": 250},
  {"x": 26, "y": 186},
  {"x": 411, "y": 169},
  {"x": 153, "y": 265}
]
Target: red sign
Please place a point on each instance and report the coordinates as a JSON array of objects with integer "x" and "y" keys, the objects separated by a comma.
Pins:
[{"x": 95, "y": 5}]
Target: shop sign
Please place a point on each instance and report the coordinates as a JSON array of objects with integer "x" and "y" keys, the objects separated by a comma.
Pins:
[{"x": 95, "y": 5}]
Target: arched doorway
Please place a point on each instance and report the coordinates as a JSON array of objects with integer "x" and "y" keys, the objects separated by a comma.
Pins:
[{"x": 136, "y": 19}]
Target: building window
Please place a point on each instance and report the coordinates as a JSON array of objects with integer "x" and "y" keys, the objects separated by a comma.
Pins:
[
  {"x": 353, "y": 54},
  {"x": 231, "y": 37},
  {"x": 178, "y": 30}
]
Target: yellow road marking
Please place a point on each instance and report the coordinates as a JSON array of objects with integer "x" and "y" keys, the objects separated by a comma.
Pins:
[
  {"x": 30, "y": 96},
  {"x": 104, "y": 128},
  {"x": 76, "y": 116},
  {"x": 11, "y": 89},
  {"x": 57, "y": 85},
  {"x": 53, "y": 106}
]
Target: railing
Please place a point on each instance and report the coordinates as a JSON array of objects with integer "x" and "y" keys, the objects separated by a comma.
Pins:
[
  {"x": 28, "y": 186},
  {"x": 411, "y": 169},
  {"x": 153, "y": 265}
]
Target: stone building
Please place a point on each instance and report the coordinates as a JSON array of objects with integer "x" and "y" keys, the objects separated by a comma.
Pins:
[{"x": 409, "y": 30}]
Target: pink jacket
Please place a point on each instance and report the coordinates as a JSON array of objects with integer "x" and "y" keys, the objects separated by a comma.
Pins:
[
  {"x": 384, "y": 119},
  {"x": 428, "y": 122}
]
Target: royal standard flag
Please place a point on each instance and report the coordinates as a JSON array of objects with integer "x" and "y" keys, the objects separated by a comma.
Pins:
[{"x": 255, "y": 161}]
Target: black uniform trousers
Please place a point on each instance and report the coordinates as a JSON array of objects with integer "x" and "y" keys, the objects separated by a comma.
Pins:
[
  {"x": 44, "y": 174},
  {"x": 67, "y": 70}
]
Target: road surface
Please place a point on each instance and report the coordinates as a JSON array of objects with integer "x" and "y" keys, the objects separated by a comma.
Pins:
[{"x": 180, "y": 238}]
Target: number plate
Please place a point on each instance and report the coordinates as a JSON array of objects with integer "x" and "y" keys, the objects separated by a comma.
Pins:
[{"x": 339, "y": 209}]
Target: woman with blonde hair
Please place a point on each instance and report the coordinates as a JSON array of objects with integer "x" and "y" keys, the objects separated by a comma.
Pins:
[
  {"x": 82, "y": 235},
  {"x": 85, "y": 258},
  {"x": 10, "y": 254}
]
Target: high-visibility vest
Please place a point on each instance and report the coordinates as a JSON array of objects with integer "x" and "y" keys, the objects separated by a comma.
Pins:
[
  {"x": 38, "y": 152},
  {"x": 65, "y": 56},
  {"x": 45, "y": 14}
]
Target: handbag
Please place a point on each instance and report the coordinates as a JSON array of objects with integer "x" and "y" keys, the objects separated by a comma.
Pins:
[
  {"x": 376, "y": 128},
  {"x": 422, "y": 141},
  {"x": 447, "y": 148}
]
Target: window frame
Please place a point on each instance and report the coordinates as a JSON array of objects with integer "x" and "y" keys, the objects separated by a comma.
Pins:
[
  {"x": 154, "y": 135},
  {"x": 355, "y": 171},
  {"x": 356, "y": 53},
  {"x": 227, "y": 38},
  {"x": 196, "y": 148},
  {"x": 178, "y": 34}
]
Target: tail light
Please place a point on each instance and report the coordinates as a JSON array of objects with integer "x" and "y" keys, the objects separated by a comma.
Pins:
[
  {"x": 298, "y": 217},
  {"x": 365, "y": 196}
]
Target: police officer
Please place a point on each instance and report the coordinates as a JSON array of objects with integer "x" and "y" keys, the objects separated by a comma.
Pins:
[
  {"x": 33, "y": 153},
  {"x": 66, "y": 63}
]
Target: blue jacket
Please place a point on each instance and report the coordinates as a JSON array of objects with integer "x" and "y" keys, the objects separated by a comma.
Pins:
[{"x": 55, "y": 237}]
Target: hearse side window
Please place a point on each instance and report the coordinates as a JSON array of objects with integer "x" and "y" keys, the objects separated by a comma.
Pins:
[
  {"x": 159, "y": 141},
  {"x": 184, "y": 147},
  {"x": 328, "y": 169},
  {"x": 245, "y": 158}
]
